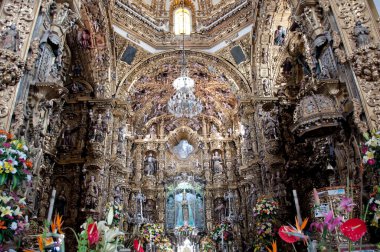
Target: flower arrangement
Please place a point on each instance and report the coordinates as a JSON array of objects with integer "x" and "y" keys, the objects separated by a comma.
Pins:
[
  {"x": 164, "y": 244},
  {"x": 371, "y": 149},
  {"x": 15, "y": 165},
  {"x": 207, "y": 244},
  {"x": 151, "y": 232},
  {"x": 116, "y": 211},
  {"x": 52, "y": 239},
  {"x": 98, "y": 237},
  {"x": 372, "y": 215},
  {"x": 265, "y": 206},
  {"x": 222, "y": 230},
  {"x": 12, "y": 220},
  {"x": 184, "y": 230},
  {"x": 265, "y": 212},
  {"x": 333, "y": 222}
]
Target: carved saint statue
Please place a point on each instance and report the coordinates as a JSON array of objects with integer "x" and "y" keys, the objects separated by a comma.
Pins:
[
  {"x": 92, "y": 194},
  {"x": 117, "y": 196},
  {"x": 279, "y": 36},
  {"x": 362, "y": 34},
  {"x": 150, "y": 164},
  {"x": 217, "y": 162},
  {"x": 185, "y": 208},
  {"x": 10, "y": 39}
]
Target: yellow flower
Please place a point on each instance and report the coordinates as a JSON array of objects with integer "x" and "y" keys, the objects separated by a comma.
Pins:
[
  {"x": 6, "y": 211},
  {"x": 370, "y": 154}
]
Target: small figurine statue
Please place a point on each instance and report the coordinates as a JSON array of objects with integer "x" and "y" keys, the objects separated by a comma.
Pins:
[
  {"x": 362, "y": 34},
  {"x": 117, "y": 196},
  {"x": 92, "y": 194},
  {"x": 217, "y": 162},
  {"x": 150, "y": 163},
  {"x": 10, "y": 39}
]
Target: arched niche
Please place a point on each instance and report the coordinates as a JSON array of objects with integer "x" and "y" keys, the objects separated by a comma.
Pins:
[{"x": 183, "y": 142}]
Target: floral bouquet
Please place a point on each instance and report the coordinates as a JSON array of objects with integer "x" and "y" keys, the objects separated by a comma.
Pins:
[
  {"x": 371, "y": 149},
  {"x": 373, "y": 214},
  {"x": 207, "y": 244},
  {"x": 116, "y": 211},
  {"x": 265, "y": 207},
  {"x": 12, "y": 220},
  {"x": 98, "y": 237},
  {"x": 265, "y": 212},
  {"x": 184, "y": 230},
  {"x": 164, "y": 244},
  {"x": 151, "y": 232},
  {"x": 15, "y": 165},
  {"x": 222, "y": 230},
  {"x": 52, "y": 239}
]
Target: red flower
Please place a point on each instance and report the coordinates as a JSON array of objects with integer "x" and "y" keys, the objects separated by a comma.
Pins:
[
  {"x": 138, "y": 246},
  {"x": 354, "y": 229},
  {"x": 93, "y": 233},
  {"x": 283, "y": 232}
]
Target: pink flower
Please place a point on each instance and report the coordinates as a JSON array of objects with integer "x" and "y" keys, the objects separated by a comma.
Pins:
[
  {"x": 347, "y": 204},
  {"x": 7, "y": 145},
  {"x": 331, "y": 222},
  {"x": 364, "y": 149},
  {"x": 371, "y": 161}
]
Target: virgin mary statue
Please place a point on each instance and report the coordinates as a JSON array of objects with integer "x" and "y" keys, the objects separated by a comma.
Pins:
[{"x": 184, "y": 211}]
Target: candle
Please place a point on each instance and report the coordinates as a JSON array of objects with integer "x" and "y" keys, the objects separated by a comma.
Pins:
[
  {"x": 51, "y": 206},
  {"x": 297, "y": 206},
  {"x": 317, "y": 201}
]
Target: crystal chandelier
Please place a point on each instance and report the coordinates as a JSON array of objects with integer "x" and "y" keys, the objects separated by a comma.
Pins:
[{"x": 184, "y": 103}]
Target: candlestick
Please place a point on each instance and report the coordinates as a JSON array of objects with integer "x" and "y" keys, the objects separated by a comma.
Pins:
[{"x": 51, "y": 206}]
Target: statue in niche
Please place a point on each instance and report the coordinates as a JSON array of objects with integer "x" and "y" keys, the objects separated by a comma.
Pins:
[
  {"x": 60, "y": 203},
  {"x": 219, "y": 209},
  {"x": 183, "y": 149},
  {"x": 185, "y": 208},
  {"x": 10, "y": 39},
  {"x": 117, "y": 196},
  {"x": 68, "y": 137},
  {"x": 217, "y": 162},
  {"x": 92, "y": 194},
  {"x": 252, "y": 198},
  {"x": 266, "y": 86},
  {"x": 279, "y": 36},
  {"x": 121, "y": 139},
  {"x": 361, "y": 34},
  {"x": 150, "y": 165},
  {"x": 270, "y": 123}
]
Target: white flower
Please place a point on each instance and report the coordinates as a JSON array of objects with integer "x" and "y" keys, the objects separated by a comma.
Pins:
[
  {"x": 25, "y": 148},
  {"x": 29, "y": 177},
  {"x": 14, "y": 225}
]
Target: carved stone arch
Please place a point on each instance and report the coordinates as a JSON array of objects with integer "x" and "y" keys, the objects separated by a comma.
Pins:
[
  {"x": 178, "y": 4},
  {"x": 83, "y": 82},
  {"x": 217, "y": 122},
  {"x": 240, "y": 83},
  {"x": 181, "y": 133}
]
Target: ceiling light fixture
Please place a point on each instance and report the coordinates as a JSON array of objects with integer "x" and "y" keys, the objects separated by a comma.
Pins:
[{"x": 184, "y": 103}]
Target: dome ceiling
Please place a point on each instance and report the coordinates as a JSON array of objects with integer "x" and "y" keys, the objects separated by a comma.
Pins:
[
  {"x": 150, "y": 94},
  {"x": 151, "y": 21}
]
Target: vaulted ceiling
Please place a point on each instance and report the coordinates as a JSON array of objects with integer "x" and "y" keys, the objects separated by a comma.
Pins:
[{"x": 150, "y": 22}]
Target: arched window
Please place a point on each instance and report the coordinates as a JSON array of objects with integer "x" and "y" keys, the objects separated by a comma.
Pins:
[{"x": 182, "y": 21}]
